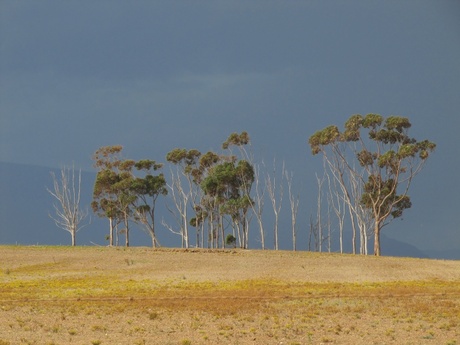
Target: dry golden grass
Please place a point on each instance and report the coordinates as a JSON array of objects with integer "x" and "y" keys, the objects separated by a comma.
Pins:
[{"x": 95, "y": 295}]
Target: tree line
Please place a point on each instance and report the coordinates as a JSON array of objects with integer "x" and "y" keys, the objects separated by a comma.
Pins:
[{"x": 215, "y": 198}]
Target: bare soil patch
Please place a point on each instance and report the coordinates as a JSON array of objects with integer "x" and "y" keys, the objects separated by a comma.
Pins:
[{"x": 98, "y": 295}]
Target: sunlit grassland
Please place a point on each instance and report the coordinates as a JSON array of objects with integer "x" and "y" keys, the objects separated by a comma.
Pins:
[{"x": 53, "y": 296}]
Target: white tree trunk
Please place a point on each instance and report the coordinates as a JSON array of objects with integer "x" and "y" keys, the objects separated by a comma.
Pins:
[{"x": 66, "y": 190}]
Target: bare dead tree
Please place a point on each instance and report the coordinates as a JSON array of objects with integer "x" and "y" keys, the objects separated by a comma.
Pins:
[
  {"x": 276, "y": 197},
  {"x": 258, "y": 204},
  {"x": 294, "y": 204},
  {"x": 67, "y": 192}
]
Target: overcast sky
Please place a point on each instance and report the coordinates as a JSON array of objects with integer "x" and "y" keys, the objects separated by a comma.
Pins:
[{"x": 155, "y": 75}]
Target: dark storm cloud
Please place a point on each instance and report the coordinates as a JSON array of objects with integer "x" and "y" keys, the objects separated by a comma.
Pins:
[{"x": 154, "y": 75}]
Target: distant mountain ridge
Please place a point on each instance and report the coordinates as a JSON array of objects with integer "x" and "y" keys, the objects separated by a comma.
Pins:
[{"x": 25, "y": 205}]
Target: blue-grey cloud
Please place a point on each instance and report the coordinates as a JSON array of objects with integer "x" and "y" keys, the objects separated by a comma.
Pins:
[{"x": 154, "y": 75}]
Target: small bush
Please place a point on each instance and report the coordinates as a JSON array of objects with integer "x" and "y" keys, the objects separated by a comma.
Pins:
[
  {"x": 153, "y": 315},
  {"x": 230, "y": 240}
]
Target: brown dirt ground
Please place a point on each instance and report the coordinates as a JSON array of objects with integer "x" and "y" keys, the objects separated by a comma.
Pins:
[{"x": 98, "y": 295}]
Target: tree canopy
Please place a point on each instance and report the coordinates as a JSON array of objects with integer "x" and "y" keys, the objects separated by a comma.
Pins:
[{"x": 388, "y": 159}]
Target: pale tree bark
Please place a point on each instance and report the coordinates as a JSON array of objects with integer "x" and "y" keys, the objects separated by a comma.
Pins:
[
  {"x": 67, "y": 192},
  {"x": 180, "y": 199},
  {"x": 345, "y": 191},
  {"x": 148, "y": 226},
  {"x": 241, "y": 141},
  {"x": 319, "y": 229},
  {"x": 363, "y": 215},
  {"x": 322, "y": 224},
  {"x": 276, "y": 197},
  {"x": 190, "y": 194},
  {"x": 341, "y": 175},
  {"x": 389, "y": 156},
  {"x": 338, "y": 204},
  {"x": 294, "y": 204},
  {"x": 258, "y": 204}
]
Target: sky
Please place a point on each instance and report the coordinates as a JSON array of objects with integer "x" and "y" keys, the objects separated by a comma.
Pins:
[{"x": 156, "y": 75}]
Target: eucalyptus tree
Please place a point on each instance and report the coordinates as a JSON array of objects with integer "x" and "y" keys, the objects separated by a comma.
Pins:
[
  {"x": 187, "y": 192},
  {"x": 184, "y": 191},
  {"x": 228, "y": 183},
  {"x": 67, "y": 192},
  {"x": 125, "y": 197},
  {"x": 113, "y": 195},
  {"x": 209, "y": 199},
  {"x": 213, "y": 186},
  {"x": 217, "y": 184},
  {"x": 241, "y": 202},
  {"x": 199, "y": 190},
  {"x": 145, "y": 191},
  {"x": 106, "y": 160},
  {"x": 388, "y": 160}
]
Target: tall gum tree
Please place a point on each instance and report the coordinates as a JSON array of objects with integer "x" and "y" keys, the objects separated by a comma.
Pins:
[
  {"x": 107, "y": 160},
  {"x": 388, "y": 160},
  {"x": 217, "y": 188},
  {"x": 147, "y": 189},
  {"x": 184, "y": 191},
  {"x": 244, "y": 177}
]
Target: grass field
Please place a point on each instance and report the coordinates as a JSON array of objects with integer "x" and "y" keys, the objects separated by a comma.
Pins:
[{"x": 99, "y": 295}]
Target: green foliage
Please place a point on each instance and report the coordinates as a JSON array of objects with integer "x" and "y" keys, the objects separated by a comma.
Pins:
[
  {"x": 323, "y": 138},
  {"x": 389, "y": 156},
  {"x": 230, "y": 240},
  {"x": 372, "y": 121},
  {"x": 236, "y": 139},
  {"x": 224, "y": 180},
  {"x": 119, "y": 194},
  {"x": 182, "y": 156},
  {"x": 109, "y": 184},
  {"x": 352, "y": 127}
]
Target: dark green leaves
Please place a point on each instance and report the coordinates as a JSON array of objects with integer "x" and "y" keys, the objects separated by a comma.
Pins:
[
  {"x": 352, "y": 127},
  {"x": 372, "y": 121},
  {"x": 236, "y": 139},
  {"x": 388, "y": 160},
  {"x": 322, "y": 138},
  {"x": 365, "y": 158},
  {"x": 425, "y": 148},
  {"x": 397, "y": 123}
]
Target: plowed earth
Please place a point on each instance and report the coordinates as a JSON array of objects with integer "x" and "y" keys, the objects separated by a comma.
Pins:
[{"x": 98, "y": 295}]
